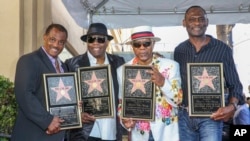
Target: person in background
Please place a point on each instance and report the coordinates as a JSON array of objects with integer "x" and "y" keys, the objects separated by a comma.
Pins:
[
  {"x": 166, "y": 76},
  {"x": 104, "y": 129},
  {"x": 242, "y": 115},
  {"x": 33, "y": 121},
  {"x": 248, "y": 102},
  {"x": 202, "y": 48}
]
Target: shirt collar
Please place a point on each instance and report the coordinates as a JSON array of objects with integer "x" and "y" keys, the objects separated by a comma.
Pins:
[
  {"x": 52, "y": 59},
  {"x": 93, "y": 60}
]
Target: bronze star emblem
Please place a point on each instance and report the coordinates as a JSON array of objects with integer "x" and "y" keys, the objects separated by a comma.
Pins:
[
  {"x": 205, "y": 79},
  {"x": 62, "y": 91},
  {"x": 94, "y": 83},
  {"x": 138, "y": 83}
]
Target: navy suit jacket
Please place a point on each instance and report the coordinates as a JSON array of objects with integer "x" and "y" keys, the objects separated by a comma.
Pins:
[{"x": 33, "y": 119}]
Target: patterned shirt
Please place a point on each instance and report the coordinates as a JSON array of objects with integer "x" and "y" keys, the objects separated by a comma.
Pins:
[
  {"x": 167, "y": 99},
  {"x": 214, "y": 52}
]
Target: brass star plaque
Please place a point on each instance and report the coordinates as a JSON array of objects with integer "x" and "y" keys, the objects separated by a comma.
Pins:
[
  {"x": 138, "y": 93},
  {"x": 205, "y": 88},
  {"x": 96, "y": 91},
  {"x": 62, "y": 98}
]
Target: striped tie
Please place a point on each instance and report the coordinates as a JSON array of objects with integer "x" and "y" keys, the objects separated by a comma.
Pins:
[{"x": 57, "y": 66}]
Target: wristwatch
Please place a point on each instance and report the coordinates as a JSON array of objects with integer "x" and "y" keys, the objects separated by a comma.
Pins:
[{"x": 234, "y": 104}]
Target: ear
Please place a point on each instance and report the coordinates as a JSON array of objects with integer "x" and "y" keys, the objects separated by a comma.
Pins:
[
  {"x": 207, "y": 21},
  {"x": 107, "y": 43},
  {"x": 153, "y": 45},
  {"x": 183, "y": 23},
  {"x": 44, "y": 37}
]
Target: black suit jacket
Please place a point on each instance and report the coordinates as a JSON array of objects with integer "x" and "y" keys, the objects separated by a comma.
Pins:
[
  {"x": 33, "y": 119},
  {"x": 83, "y": 61}
]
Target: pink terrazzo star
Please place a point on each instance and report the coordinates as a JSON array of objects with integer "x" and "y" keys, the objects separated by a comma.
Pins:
[
  {"x": 138, "y": 83},
  {"x": 62, "y": 91},
  {"x": 94, "y": 83},
  {"x": 205, "y": 79}
]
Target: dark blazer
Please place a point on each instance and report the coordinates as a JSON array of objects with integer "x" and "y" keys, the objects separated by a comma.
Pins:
[
  {"x": 33, "y": 119},
  {"x": 83, "y": 61}
]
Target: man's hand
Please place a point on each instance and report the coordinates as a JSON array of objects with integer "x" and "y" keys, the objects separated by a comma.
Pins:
[
  {"x": 54, "y": 126},
  {"x": 128, "y": 123},
  {"x": 224, "y": 113},
  {"x": 156, "y": 77},
  {"x": 87, "y": 118}
]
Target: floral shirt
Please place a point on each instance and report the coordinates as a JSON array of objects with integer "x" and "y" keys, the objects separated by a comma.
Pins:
[{"x": 167, "y": 99}]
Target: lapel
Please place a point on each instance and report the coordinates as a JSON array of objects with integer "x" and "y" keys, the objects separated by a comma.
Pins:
[
  {"x": 112, "y": 63},
  {"x": 46, "y": 61},
  {"x": 64, "y": 67},
  {"x": 84, "y": 61}
]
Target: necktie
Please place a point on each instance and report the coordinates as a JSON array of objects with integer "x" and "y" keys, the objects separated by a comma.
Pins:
[
  {"x": 129, "y": 135},
  {"x": 57, "y": 66}
]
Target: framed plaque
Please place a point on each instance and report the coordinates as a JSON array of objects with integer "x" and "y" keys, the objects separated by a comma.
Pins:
[
  {"x": 205, "y": 88},
  {"x": 62, "y": 98},
  {"x": 95, "y": 88},
  {"x": 138, "y": 93}
]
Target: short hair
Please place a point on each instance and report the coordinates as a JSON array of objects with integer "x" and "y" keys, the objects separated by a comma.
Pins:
[
  {"x": 195, "y": 6},
  {"x": 57, "y": 26}
]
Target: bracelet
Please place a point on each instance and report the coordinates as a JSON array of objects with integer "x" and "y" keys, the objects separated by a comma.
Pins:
[{"x": 234, "y": 104}]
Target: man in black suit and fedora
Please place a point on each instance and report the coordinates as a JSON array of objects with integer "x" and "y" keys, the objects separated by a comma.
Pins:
[{"x": 104, "y": 129}]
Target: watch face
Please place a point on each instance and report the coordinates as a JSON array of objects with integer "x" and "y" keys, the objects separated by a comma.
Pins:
[{"x": 234, "y": 104}]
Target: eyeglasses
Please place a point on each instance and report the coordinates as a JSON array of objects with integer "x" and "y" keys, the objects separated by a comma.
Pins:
[
  {"x": 98, "y": 39},
  {"x": 138, "y": 44}
]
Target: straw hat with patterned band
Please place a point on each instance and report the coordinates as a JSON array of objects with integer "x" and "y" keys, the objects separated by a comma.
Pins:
[
  {"x": 140, "y": 32},
  {"x": 96, "y": 29}
]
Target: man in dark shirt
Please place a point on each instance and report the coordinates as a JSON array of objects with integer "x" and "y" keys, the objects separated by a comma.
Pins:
[{"x": 202, "y": 48}]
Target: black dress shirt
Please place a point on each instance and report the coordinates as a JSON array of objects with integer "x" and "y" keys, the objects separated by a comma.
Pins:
[{"x": 214, "y": 52}]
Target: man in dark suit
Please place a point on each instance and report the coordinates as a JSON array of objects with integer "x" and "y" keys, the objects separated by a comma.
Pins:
[
  {"x": 107, "y": 129},
  {"x": 34, "y": 122}
]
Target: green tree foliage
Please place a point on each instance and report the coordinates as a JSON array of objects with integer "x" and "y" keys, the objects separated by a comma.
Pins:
[{"x": 8, "y": 105}]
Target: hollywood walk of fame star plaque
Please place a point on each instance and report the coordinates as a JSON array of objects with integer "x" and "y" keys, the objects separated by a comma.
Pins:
[
  {"x": 95, "y": 88},
  {"x": 138, "y": 93},
  {"x": 205, "y": 88},
  {"x": 62, "y": 98}
]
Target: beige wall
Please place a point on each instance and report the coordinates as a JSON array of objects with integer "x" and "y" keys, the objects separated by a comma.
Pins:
[
  {"x": 22, "y": 25},
  {"x": 9, "y": 36}
]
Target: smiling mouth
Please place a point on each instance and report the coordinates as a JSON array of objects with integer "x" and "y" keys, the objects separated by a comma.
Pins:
[
  {"x": 143, "y": 55},
  {"x": 96, "y": 49}
]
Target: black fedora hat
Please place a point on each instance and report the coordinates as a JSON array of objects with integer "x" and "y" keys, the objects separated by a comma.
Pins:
[{"x": 96, "y": 29}]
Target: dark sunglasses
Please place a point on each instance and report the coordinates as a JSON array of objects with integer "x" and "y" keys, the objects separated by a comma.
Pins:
[
  {"x": 138, "y": 44},
  {"x": 98, "y": 39}
]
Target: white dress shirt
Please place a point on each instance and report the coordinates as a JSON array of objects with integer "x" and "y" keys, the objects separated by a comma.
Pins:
[{"x": 104, "y": 128}]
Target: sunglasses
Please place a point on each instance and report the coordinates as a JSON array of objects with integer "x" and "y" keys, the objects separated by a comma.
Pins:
[
  {"x": 91, "y": 39},
  {"x": 144, "y": 44}
]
